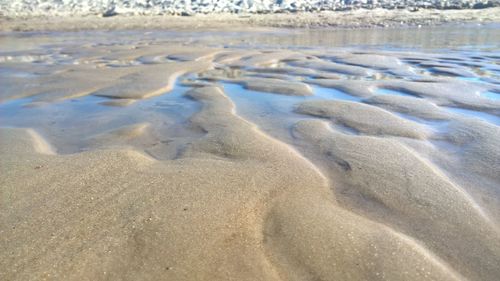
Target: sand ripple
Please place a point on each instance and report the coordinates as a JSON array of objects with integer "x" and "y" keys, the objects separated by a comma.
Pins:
[{"x": 146, "y": 159}]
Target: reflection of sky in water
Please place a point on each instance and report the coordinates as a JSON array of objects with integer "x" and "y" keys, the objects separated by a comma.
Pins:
[
  {"x": 476, "y": 114},
  {"x": 466, "y": 37},
  {"x": 470, "y": 79},
  {"x": 71, "y": 121},
  {"x": 274, "y": 113},
  {"x": 491, "y": 95},
  {"x": 329, "y": 93},
  {"x": 279, "y": 102},
  {"x": 21, "y": 112}
]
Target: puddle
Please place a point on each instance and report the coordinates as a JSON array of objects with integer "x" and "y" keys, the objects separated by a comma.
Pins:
[
  {"x": 69, "y": 124},
  {"x": 266, "y": 103},
  {"x": 6, "y": 72},
  {"x": 472, "y": 79},
  {"x": 330, "y": 93},
  {"x": 272, "y": 113},
  {"x": 491, "y": 95},
  {"x": 475, "y": 114}
]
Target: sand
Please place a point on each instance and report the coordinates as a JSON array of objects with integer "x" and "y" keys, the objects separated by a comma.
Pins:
[
  {"x": 278, "y": 86},
  {"x": 413, "y": 106},
  {"x": 364, "y": 118},
  {"x": 133, "y": 217},
  {"x": 345, "y": 19},
  {"x": 163, "y": 156}
]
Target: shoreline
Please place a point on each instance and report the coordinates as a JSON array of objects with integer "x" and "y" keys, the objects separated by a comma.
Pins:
[{"x": 355, "y": 19}]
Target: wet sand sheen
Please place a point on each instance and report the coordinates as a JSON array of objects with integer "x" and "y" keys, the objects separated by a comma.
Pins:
[{"x": 153, "y": 161}]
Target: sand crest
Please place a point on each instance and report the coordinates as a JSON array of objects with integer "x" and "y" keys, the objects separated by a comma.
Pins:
[
  {"x": 409, "y": 105},
  {"x": 386, "y": 180},
  {"x": 364, "y": 118}
]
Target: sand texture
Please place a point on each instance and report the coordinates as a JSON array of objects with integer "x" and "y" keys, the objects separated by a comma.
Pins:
[
  {"x": 357, "y": 18},
  {"x": 166, "y": 156}
]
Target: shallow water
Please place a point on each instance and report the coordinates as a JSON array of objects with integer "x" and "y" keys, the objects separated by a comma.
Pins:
[
  {"x": 328, "y": 93},
  {"x": 69, "y": 123},
  {"x": 476, "y": 114},
  {"x": 491, "y": 95}
]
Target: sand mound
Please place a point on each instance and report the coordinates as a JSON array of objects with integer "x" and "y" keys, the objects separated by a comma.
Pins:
[
  {"x": 277, "y": 86},
  {"x": 352, "y": 87},
  {"x": 23, "y": 141},
  {"x": 479, "y": 142},
  {"x": 149, "y": 81},
  {"x": 313, "y": 240},
  {"x": 120, "y": 136},
  {"x": 409, "y": 105},
  {"x": 374, "y": 174},
  {"x": 300, "y": 72},
  {"x": 333, "y": 67},
  {"x": 268, "y": 58},
  {"x": 373, "y": 61},
  {"x": 71, "y": 82},
  {"x": 449, "y": 92},
  {"x": 364, "y": 118},
  {"x": 118, "y": 102}
]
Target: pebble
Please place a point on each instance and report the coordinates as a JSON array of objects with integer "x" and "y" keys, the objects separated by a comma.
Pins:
[{"x": 190, "y": 7}]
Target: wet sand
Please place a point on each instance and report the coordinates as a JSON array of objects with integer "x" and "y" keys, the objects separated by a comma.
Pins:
[{"x": 222, "y": 156}]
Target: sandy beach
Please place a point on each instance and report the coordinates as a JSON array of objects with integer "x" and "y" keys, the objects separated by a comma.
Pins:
[
  {"x": 359, "y": 18},
  {"x": 251, "y": 152}
]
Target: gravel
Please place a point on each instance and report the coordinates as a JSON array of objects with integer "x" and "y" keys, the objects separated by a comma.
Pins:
[{"x": 107, "y": 8}]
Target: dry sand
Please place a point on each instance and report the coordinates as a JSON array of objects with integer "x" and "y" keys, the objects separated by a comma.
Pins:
[
  {"x": 347, "y": 19},
  {"x": 158, "y": 160}
]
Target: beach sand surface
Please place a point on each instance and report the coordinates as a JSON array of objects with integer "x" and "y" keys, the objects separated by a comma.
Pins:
[{"x": 159, "y": 156}]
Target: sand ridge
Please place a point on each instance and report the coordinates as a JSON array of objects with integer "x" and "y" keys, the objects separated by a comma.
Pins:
[
  {"x": 410, "y": 105},
  {"x": 364, "y": 118},
  {"x": 361, "y": 163}
]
